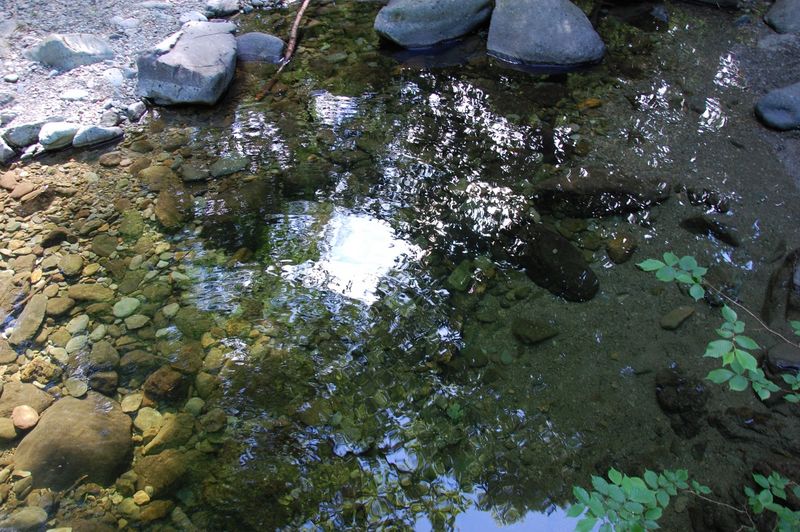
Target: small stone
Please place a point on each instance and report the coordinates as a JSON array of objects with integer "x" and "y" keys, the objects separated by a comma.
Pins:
[
  {"x": 110, "y": 159},
  {"x": 57, "y": 135},
  {"x": 76, "y": 343},
  {"x": 228, "y": 166},
  {"x": 141, "y": 497},
  {"x": 78, "y": 324},
  {"x": 673, "y": 319},
  {"x": 131, "y": 402},
  {"x": 27, "y": 518},
  {"x": 90, "y": 292},
  {"x": 148, "y": 418},
  {"x": 98, "y": 333},
  {"x": 125, "y": 307},
  {"x": 58, "y": 306},
  {"x": 620, "y": 248},
  {"x": 195, "y": 406},
  {"x": 137, "y": 321},
  {"x": 76, "y": 387},
  {"x": 70, "y": 265},
  {"x": 532, "y": 332},
  {"x": 24, "y": 417},
  {"x": 170, "y": 310}
]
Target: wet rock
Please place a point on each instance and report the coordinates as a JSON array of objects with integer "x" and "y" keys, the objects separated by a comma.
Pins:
[
  {"x": 594, "y": 192},
  {"x": 105, "y": 382},
  {"x": 137, "y": 321},
  {"x": 16, "y": 394},
  {"x": 703, "y": 225},
  {"x": 104, "y": 245},
  {"x": 70, "y": 265},
  {"x": 29, "y": 321},
  {"x": 24, "y": 417},
  {"x": 131, "y": 281},
  {"x": 131, "y": 226},
  {"x": 552, "y": 262},
  {"x": 56, "y": 237},
  {"x": 57, "y": 135},
  {"x": 784, "y": 16},
  {"x": 784, "y": 358},
  {"x": 76, "y": 387},
  {"x": 192, "y": 174},
  {"x": 68, "y": 51},
  {"x": 27, "y": 518},
  {"x": 155, "y": 510},
  {"x": 148, "y": 419},
  {"x": 164, "y": 471},
  {"x": 91, "y": 135},
  {"x": 228, "y": 166},
  {"x": 7, "y": 354},
  {"x": 543, "y": 32},
  {"x": 103, "y": 357},
  {"x": 531, "y": 332},
  {"x": 461, "y": 278},
  {"x": 780, "y": 108},
  {"x": 621, "y": 248},
  {"x": 674, "y": 318},
  {"x": 125, "y": 307},
  {"x": 41, "y": 370},
  {"x": 58, "y": 306},
  {"x": 90, "y": 292},
  {"x": 259, "y": 47},
  {"x": 110, "y": 159},
  {"x": 77, "y": 437},
  {"x": 8, "y": 432},
  {"x": 195, "y": 65},
  {"x": 173, "y": 209},
  {"x": 423, "y": 23},
  {"x": 193, "y": 322},
  {"x": 158, "y": 177},
  {"x": 166, "y": 383},
  {"x": 174, "y": 432},
  {"x": 683, "y": 400}
]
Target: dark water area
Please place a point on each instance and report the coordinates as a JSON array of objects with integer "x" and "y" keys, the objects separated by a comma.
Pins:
[{"x": 414, "y": 368}]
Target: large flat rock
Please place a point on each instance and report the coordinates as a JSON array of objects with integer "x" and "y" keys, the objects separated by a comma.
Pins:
[
  {"x": 543, "y": 32},
  {"x": 29, "y": 321},
  {"x": 195, "y": 65},
  {"x": 423, "y": 23},
  {"x": 70, "y": 50},
  {"x": 76, "y": 437},
  {"x": 784, "y": 16}
]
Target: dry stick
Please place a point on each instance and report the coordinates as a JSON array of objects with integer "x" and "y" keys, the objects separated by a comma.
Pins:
[
  {"x": 290, "y": 47},
  {"x": 748, "y": 311}
]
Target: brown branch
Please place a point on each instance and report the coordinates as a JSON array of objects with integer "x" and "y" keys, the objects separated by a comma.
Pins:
[{"x": 287, "y": 55}]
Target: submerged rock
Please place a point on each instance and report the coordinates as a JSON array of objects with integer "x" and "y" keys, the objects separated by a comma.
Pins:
[
  {"x": 71, "y": 50},
  {"x": 30, "y": 320},
  {"x": 703, "y": 225},
  {"x": 782, "y": 298},
  {"x": 780, "y": 108},
  {"x": 593, "y": 192},
  {"x": 423, "y": 23},
  {"x": 683, "y": 400},
  {"x": 543, "y": 32},
  {"x": 259, "y": 47},
  {"x": 77, "y": 437},
  {"x": 784, "y": 16},
  {"x": 195, "y": 65}
]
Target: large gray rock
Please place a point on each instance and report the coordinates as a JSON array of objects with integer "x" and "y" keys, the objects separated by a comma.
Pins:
[
  {"x": 29, "y": 321},
  {"x": 221, "y": 8},
  {"x": 67, "y": 51},
  {"x": 259, "y": 47},
  {"x": 7, "y": 154},
  {"x": 195, "y": 65},
  {"x": 24, "y": 135},
  {"x": 91, "y": 135},
  {"x": 780, "y": 108},
  {"x": 543, "y": 32},
  {"x": 784, "y": 16},
  {"x": 76, "y": 437},
  {"x": 57, "y": 135},
  {"x": 423, "y": 23},
  {"x": 21, "y": 393}
]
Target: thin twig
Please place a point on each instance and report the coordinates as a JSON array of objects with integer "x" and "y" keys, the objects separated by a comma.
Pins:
[
  {"x": 725, "y": 505},
  {"x": 748, "y": 311},
  {"x": 290, "y": 48}
]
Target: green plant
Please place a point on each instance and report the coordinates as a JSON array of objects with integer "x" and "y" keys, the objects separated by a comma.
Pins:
[
  {"x": 629, "y": 503},
  {"x": 773, "y": 488},
  {"x": 684, "y": 270},
  {"x": 733, "y": 348}
]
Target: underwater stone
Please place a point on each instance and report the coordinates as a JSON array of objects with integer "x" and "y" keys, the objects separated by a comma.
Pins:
[
  {"x": 423, "y": 23},
  {"x": 259, "y": 47},
  {"x": 543, "y": 32},
  {"x": 195, "y": 65}
]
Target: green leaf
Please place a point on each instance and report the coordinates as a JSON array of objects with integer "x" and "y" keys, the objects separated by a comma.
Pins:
[
  {"x": 738, "y": 383},
  {"x": 747, "y": 360},
  {"x": 606, "y": 527},
  {"x": 725, "y": 333},
  {"x": 761, "y": 480},
  {"x": 745, "y": 342},
  {"x": 663, "y": 498},
  {"x": 682, "y": 474},
  {"x": 670, "y": 258},
  {"x": 687, "y": 263},
  {"x": 634, "y": 507},
  {"x": 717, "y": 348},
  {"x": 586, "y": 525},
  {"x": 581, "y": 494},
  {"x": 653, "y": 513},
  {"x": 763, "y": 393},
  {"x": 651, "y": 479},
  {"x": 765, "y": 497},
  {"x": 738, "y": 327},
  {"x": 615, "y": 476},
  {"x": 699, "y": 272},
  {"x": 596, "y": 506},
  {"x": 697, "y": 292},
  {"x": 718, "y": 376},
  {"x": 792, "y": 398},
  {"x": 651, "y": 265},
  {"x": 728, "y": 314},
  {"x": 616, "y": 493},
  {"x": 575, "y": 510},
  {"x": 600, "y": 484},
  {"x": 683, "y": 277},
  {"x": 666, "y": 274}
]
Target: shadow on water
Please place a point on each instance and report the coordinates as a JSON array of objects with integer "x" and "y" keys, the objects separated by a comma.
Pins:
[{"x": 410, "y": 374}]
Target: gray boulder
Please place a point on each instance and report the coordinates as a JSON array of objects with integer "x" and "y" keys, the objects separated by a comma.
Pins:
[
  {"x": 7, "y": 154},
  {"x": 259, "y": 47},
  {"x": 221, "y": 8},
  {"x": 780, "y": 108},
  {"x": 57, "y": 135},
  {"x": 195, "y": 65},
  {"x": 784, "y": 16},
  {"x": 67, "y": 51},
  {"x": 24, "y": 135},
  {"x": 543, "y": 32},
  {"x": 423, "y": 23},
  {"x": 91, "y": 135},
  {"x": 76, "y": 437}
]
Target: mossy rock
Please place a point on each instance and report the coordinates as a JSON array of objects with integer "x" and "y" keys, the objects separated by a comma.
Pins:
[{"x": 193, "y": 322}]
